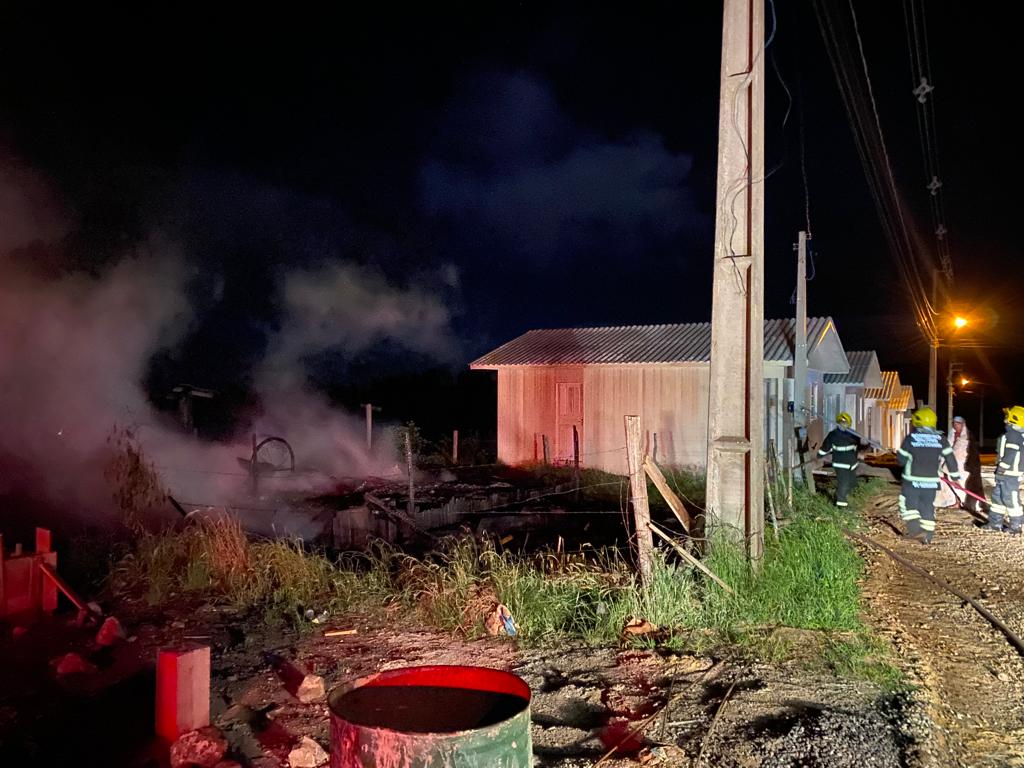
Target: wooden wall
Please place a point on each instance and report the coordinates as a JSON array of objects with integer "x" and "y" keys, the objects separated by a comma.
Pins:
[
  {"x": 671, "y": 400},
  {"x": 527, "y": 409}
]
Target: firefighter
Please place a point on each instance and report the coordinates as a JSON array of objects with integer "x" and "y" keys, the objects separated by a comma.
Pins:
[
  {"x": 1006, "y": 494},
  {"x": 921, "y": 456},
  {"x": 843, "y": 443}
]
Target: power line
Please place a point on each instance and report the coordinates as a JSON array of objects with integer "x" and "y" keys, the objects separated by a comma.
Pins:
[{"x": 853, "y": 79}]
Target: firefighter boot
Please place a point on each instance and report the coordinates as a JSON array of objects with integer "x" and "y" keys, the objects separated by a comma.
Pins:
[
  {"x": 1014, "y": 525},
  {"x": 913, "y": 529},
  {"x": 995, "y": 521}
]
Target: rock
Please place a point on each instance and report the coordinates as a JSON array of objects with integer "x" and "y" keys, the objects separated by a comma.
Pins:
[
  {"x": 110, "y": 633},
  {"x": 311, "y": 689},
  {"x": 73, "y": 664},
  {"x": 205, "y": 747},
  {"x": 308, "y": 754}
]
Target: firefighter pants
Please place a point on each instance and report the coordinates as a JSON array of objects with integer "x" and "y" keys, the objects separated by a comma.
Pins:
[
  {"x": 845, "y": 481},
  {"x": 917, "y": 508},
  {"x": 1006, "y": 502}
]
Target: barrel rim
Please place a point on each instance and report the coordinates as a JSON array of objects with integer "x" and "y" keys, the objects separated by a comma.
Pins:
[{"x": 514, "y": 686}]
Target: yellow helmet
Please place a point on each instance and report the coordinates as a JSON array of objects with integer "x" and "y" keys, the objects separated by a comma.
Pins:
[
  {"x": 843, "y": 419},
  {"x": 1014, "y": 415},
  {"x": 925, "y": 417}
]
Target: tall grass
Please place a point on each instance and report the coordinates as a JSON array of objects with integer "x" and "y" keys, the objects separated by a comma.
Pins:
[{"x": 807, "y": 580}]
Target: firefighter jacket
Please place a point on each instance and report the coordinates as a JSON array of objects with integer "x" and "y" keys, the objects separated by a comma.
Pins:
[
  {"x": 843, "y": 445},
  {"x": 922, "y": 454},
  {"x": 1008, "y": 450}
]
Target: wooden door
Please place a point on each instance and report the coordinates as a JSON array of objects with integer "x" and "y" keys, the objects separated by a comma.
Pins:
[{"x": 569, "y": 414}]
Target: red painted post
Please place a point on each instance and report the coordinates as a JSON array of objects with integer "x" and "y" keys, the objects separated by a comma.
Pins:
[{"x": 182, "y": 690}]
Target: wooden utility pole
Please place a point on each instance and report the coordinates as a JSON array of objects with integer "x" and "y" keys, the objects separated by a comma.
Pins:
[
  {"x": 455, "y": 446},
  {"x": 638, "y": 498},
  {"x": 800, "y": 409},
  {"x": 735, "y": 481}
]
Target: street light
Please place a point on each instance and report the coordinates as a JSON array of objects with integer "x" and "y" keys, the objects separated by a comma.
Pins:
[
  {"x": 959, "y": 321},
  {"x": 964, "y": 382}
]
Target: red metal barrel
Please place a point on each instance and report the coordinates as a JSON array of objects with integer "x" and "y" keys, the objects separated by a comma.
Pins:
[{"x": 432, "y": 717}]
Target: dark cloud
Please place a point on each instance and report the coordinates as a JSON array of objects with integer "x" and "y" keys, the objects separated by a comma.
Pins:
[{"x": 511, "y": 168}]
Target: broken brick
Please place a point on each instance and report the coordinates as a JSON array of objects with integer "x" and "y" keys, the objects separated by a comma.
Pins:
[{"x": 204, "y": 747}]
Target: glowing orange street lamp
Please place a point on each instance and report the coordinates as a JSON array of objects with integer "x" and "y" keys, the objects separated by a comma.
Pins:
[
  {"x": 964, "y": 382},
  {"x": 959, "y": 321}
]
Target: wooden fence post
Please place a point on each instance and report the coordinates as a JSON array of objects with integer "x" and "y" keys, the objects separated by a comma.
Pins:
[
  {"x": 638, "y": 496},
  {"x": 547, "y": 449},
  {"x": 410, "y": 506},
  {"x": 576, "y": 459},
  {"x": 455, "y": 446}
]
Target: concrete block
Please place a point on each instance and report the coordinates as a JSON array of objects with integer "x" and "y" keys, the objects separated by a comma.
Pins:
[{"x": 182, "y": 690}]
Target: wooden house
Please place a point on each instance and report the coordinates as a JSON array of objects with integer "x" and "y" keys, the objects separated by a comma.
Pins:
[{"x": 552, "y": 383}]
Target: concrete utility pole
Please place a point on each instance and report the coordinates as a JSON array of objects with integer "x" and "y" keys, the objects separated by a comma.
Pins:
[
  {"x": 735, "y": 480},
  {"x": 370, "y": 408},
  {"x": 950, "y": 391},
  {"x": 933, "y": 351},
  {"x": 800, "y": 358}
]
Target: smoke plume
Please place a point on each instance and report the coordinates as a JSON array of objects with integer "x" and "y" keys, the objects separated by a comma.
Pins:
[{"x": 76, "y": 346}]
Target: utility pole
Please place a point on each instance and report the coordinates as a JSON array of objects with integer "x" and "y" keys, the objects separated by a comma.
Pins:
[
  {"x": 950, "y": 389},
  {"x": 800, "y": 357},
  {"x": 933, "y": 350},
  {"x": 735, "y": 462},
  {"x": 370, "y": 408}
]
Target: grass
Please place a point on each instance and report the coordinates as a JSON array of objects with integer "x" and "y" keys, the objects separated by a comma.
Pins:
[{"x": 807, "y": 583}]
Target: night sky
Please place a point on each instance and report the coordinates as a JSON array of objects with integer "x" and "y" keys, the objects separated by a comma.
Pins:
[{"x": 536, "y": 164}]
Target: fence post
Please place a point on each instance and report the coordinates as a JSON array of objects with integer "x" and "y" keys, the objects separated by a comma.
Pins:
[
  {"x": 253, "y": 471},
  {"x": 455, "y": 446},
  {"x": 410, "y": 506},
  {"x": 547, "y": 449},
  {"x": 638, "y": 496},
  {"x": 576, "y": 459}
]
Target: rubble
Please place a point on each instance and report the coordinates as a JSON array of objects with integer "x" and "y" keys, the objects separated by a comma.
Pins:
[
  {"x": 74, "y": 664},
  {"x": 204, "y": 747},
  {"x": 311, "y": 689},
  {"x": 110, "y": 633},
  {"x": 308, "y": 754}
]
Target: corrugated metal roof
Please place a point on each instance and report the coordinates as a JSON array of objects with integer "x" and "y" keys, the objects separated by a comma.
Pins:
[
  {"x": 888, "y": 390},
  {"x": 634, "y": 344},
  {"x": 903, "y": 400},
  {"x": 859, "y": 364}
]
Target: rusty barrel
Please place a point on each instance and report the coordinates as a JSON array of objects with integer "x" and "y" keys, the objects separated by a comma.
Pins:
[{"x": 432, "y": 717}]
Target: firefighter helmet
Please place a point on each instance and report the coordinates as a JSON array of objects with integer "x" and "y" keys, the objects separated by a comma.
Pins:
[
  {"x": 925, "y": 417},
  {"x": 1014, "y": 415},
  {"x": 844, "y": 420}
]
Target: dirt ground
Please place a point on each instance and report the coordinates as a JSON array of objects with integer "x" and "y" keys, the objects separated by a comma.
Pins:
[
  {"x": 970, "y": 678},
  {"x": 708, "y": 710}
]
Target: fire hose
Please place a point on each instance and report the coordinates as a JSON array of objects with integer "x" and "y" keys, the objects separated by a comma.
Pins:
[{"x": 958, "y": 487}]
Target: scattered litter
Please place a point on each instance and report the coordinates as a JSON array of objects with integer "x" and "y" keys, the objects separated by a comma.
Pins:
[
  {"x": 308, "y": 754},
  {"x": 312, "y": 616},
  {"x": 500, "y": 620},
  {"x": 639, "y": 627},
  {"x": 339, "y": 632}
]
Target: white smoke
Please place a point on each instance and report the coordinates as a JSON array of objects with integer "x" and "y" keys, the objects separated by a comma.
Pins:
[{"x": 74, "y": 350}]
